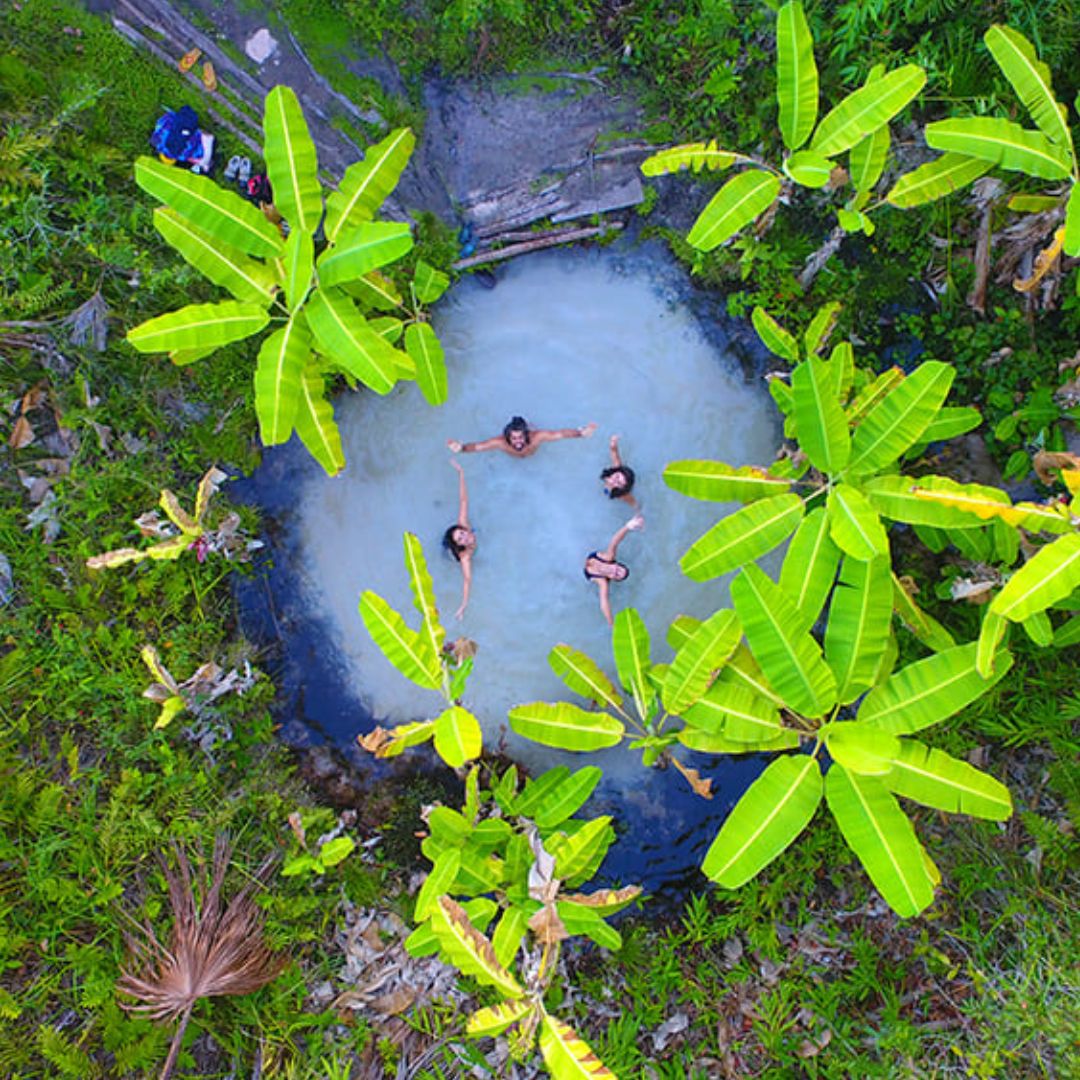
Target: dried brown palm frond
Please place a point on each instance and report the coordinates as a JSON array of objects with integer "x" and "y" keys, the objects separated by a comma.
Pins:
[{"x": 214, "y": 948}]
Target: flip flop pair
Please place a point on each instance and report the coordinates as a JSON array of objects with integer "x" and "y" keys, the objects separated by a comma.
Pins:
[{"x": 238, "y": 169}]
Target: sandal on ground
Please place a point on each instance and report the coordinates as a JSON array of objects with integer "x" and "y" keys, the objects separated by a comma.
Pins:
[
  {"x": 232, "y": 170},
  {"x": 243, "y": 174}
]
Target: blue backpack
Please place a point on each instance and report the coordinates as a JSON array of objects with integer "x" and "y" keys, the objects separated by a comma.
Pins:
[{"x": 177, "y": 136}]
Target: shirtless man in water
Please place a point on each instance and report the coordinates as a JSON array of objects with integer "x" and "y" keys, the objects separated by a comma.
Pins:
[{"x": 519, "y": 440}]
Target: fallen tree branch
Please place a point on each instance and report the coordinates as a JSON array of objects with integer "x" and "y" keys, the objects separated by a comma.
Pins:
[{"x": 545, "y": 240}]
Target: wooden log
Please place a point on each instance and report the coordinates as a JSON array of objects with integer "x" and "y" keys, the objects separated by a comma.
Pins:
[{"x": 545, "y": 240}]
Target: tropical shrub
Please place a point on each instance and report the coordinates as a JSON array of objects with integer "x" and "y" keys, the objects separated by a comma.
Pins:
[{"x": 329, "y": 309}]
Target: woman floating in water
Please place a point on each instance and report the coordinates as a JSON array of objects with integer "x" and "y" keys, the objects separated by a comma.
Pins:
[
  {"x": 618, "y": 480},
  {"x": 601, "y": 566},
  {"x": 519, "y": 440},
  {"x": 460, "y": 540}
]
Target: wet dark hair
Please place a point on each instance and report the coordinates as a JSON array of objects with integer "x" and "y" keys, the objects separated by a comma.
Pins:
[
  {"x": 517, "y": 423},
  {"x": 451, "y": 544},
  {"x": 619, "y": 490}
]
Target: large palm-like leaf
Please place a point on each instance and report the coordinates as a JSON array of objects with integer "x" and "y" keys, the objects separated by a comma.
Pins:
[
  {"x": 695, "y": 663},
  {"x": 199, "y": 326},
  {"x": 869, "y": 154},
  {"x": 743, "y": 536},
  {"x": 584, "y": 676},
  {"x": 363, "y": 248},
  {"x": 822, "y": 426},
  {"x": 423, "y": 593},
  {"x": 299, "y": 266},
  {"x": 733, "y": 710},
  {"x": 278, "y": 377},
  {"x": 936, "y": 179},
  {"x": 468, "y": 950},
  {"x": 867, "y": 109},
  {"x": 457, "y": 736},
  {"x": 860, "y": 616},
  {"x": 631, "y": 646},
  {"x": 427, "y": 353},
  {"x": 291, "y": 162},
  {"x": 314, "y": 421},
  {"x": 692, "y": 156},
  {"x": 713, "y": 481},
  {"x": 796, "y": 76},
  {"x": 366, "y": 183},
  {"x": 734, "y": 206},
  {"x": 933, "y": 778},
  {"x": 1052, "y": 574},
  {"x": 854, "y": 524},
  {"x": 775, "y": 338},
  {"x": 343, "y": 334},
  {"x": 1002, "y": 143},
  {"x": 810, "y": 564},
  {"x": 565, "y": 726},
  {"x": 568, "y": 1055},
  {"x": 407, "y": 650}
]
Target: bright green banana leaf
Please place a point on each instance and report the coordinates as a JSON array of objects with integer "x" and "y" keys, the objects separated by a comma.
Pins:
[
  {"x": 580, "y": 853},
  {"x": 630, "y": 644},
  {"x": 343, "y": 335},
  {"x": 199, "y": 326},
  {"x": 1002, "y": 143},
  {"x": 925, "y": 627},
  {"x": 873, "y": 393},
  {"x": 580, "y": 920},
  {"x": 291, "y": 163},
  {"x": 936, "y": 179},
  {"x": 842, "y": 362},
  {"x": 991, "y": 634},
  {"x": 1050, "y": 575},
  {"x": 427, "y": 353},
  {"x": 868, "y": 157},
  {"x": 366, "y": 183},
  {"x": 681, "y": 631},
  {"x": 363, "y": 248},
  {"x": 743, "y": 670},
  {"x": 584, "y": 676},
  {"x": 734, "y": 206},
  {"x": 737, "y": 713},
  {"x": 507, "y": 939},
  {"x": 457, "y": 736},
  {"x": 860, "y": 619},
  {"x": 880, "y": 834},
  {"x": 567, "y": 798},
  {"x": 299, "y": 262},
  {"x": 867, "y": 109},
  {"x": 692, "y": 156},
  {"x": 796, "y": 76},
  {"x": 222, "y": 214},
  {"x": 821, "y": 326},
  {"x": 428, "y": 283},
  {"x": 898, "y": 420},
  {"x": 809, "y": 168},
  {"x": 1030, "y": 78},
  {"x": 713, "y": 481},
  {"x": 708, "y": 742},
  {"x": 695, "y": 663},
  {"x": 777, "y": 806},
  {"x": 774, "y": 337},
  {"x": 314, "y": 422},
  {"x": 860, "y": 748},
  {"x": 1039, "y": 629},
  {"x": 567, "y": 1055},
  {"x": 1071, "y": 243},
  {"x": 933, "y": 778},
  {"x": 819, "y": 417},
  {"x": 374, "y": 291},
  {"x": 407, "y": 650},
  {"x": 809, "y": 567},
  {"x": 226, "y": 266},
  {"x": 928, "y": 691},
  {"x": 278, "y": 373},
  {"x": 742, "y": 537},
  {"x": 854, "y": 524},
  {"x": 789, "y": 657},
  {"x": 565, "y": 726},
  {"x": 952, "y": 420},
  {"x": 423, "y": 593},
  {"x": 495, "y": 1019}
]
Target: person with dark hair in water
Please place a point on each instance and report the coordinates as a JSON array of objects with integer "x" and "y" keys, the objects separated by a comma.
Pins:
[
  {"x": 618, "y": 480},
  {"x": 602, "y": 567},
  {"x": 460, "y": 540},
  {"x": 520, "y": 440}
]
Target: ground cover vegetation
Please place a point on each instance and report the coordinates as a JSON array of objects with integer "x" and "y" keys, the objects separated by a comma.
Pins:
[{"x": 802, "y": 970}]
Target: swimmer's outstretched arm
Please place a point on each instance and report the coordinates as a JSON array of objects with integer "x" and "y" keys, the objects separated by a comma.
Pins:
[
  {"x": 466, "y": 585},
  {"x": 463, "y": 498},
  {"x": 635, "y": 523},
  {"x": 543, "y": 435},
  {"x": 496, "y": 442},
  {"x": 613, "y": 446}
]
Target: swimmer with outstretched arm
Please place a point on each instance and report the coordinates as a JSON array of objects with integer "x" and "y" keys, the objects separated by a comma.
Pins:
[
  {"x": 602, "y": 567},
  {"x": 460, "y": 540},
  {"x": 519, "y": 440},
  {"x": 618, "y": 479}
]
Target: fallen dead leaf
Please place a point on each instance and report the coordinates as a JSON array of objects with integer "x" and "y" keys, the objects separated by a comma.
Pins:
[
  {"x": 693, "y": 778},
  {"x": 22, "y": 434}
]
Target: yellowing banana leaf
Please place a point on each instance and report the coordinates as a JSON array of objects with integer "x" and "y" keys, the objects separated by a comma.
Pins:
[
  {"x": 630, "y": 644},
  {"x": 606, "y": 901},
  {"x": 584, "y": 676},
  {"x": 696, "y": 662},
  {"x": 734, "y": 206},
  {"x": 821, "y": 326},
  {"x": 796, "y": 75},
  {"x": 692, "y": 156},
  {"x": 860, "y": 619},
  {"x": 427, "y": 353},
  {"x": 822, "y": 426},
  {"x": 981, "y": 503},
  {"x": 495, "y": 1019},
  {"x": 567, "y": 798},
  {"x": 928, "y": 691},
  {"x": 291, "y": 162},
  {"x": 933, "y": 778},
  {"x": 366, "y": 183},
  {"x": 1072, "y": 222},
  {"x": 457, "y": 736},
  {"x": 423, "y": 942},
  {"x": 423, "y": 593},
  {"x": 867, "y": 109},
  {"x": 579, "y": 854},
  {"x": 880, "y": 834},
  {"x": 809, "y": 567},
  {"x": 220, "y": 213},
  {"x": 809, "y": 168},
  {"x": 171, "y": 707},
  {"x": 737, "y": 713},
  {"x": 777, "y": 806},
  {"x": 789, "y": 657},
  {"x": 439, "y": 881},
  {"x": 388, "y": 744},
  {"x": 1030, "y": 78},
  {"x": 401, "y": 645},
  {"x": 278, "y": 376},
  {"x": 567, "y": 1055},
  {"x": 936, "y": 179},
  {"x": 854, "y": 524},
  {"x": 1044, "y": 263},
  {"x": 774, "y": 337},
  {"x": 1003, "y": 143},
  {"x": 872, "y": 394},
  {"x": 468, "y": 950},
  {"x": 172, "y": 548},
  {"x": 742, "y": 537},
  {"x": 565, "y": 726},
  {"x": 226, "y": 266},
  {"x": 902, "y": 498},
  {"x": 362, "y": 249},
  {"x": 343, "y": 335},
  {"x": 713, "y": 481},
  {"x": 199, "y": 326},
  {"x": 1033, "y": 204},
  {"x": 898, "y": 420},
  {"x": 211, "y": 480},
  {"x": 299, "y": 262},
  {"x": 314, "y": 422},
  {"x": 1050, "y": 575},
  {"x": 860, "y": 748},
  {"x": 177, "y": 514}
]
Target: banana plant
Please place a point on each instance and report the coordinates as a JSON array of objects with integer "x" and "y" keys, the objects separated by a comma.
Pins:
[
  {"x": 509, "y": 859},
  {"x": 330, "y": 312},
  {"x": 857, "y": 127},
  {"x": 426, "y": 658},
  {"x": 195, "y": 693}
]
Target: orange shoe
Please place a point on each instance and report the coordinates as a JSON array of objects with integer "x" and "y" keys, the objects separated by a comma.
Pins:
[
  {"x": 187, "y": 61},
  {"x": 209, "y": 76}
]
